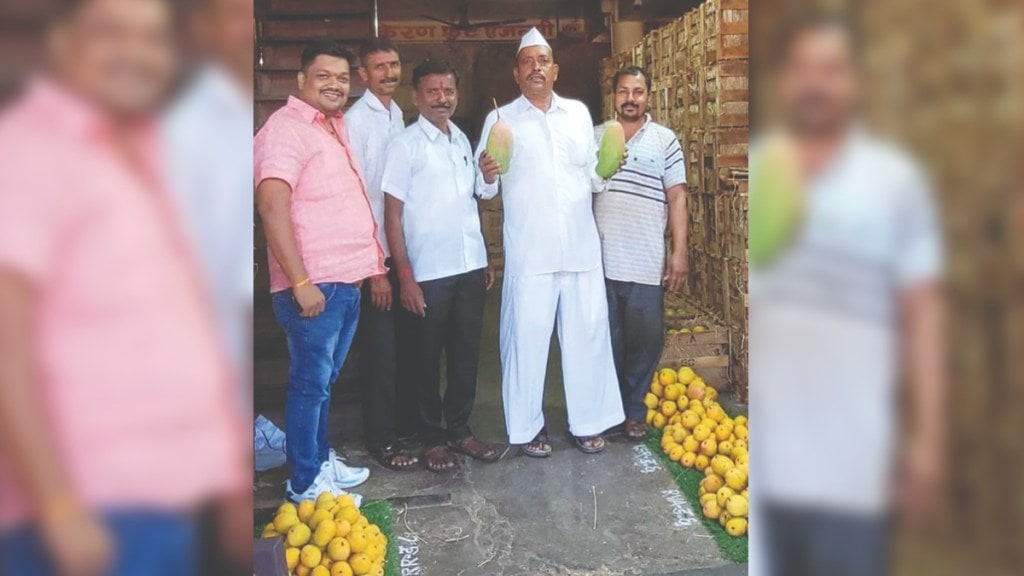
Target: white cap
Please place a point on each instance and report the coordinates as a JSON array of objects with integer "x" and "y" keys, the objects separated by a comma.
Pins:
[{"x": 532, "y": 38}]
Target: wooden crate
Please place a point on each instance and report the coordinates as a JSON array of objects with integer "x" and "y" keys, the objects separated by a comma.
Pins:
[
  {"x": 727, "y": 94},
  {"x": 693, "y": 147},
  {"x": 653, "y": 46},
  {"x": 693, "y": 96},
  {"x": 649, "y": 55},
  {"x": 706, "y": 352},
  {"x": 638, "y": 54},
  {"x": 697, "y": 226},
  {"x": 667, "y": 52},
  {"x": 725, "y": 150},
  {"x": 735, "y": 199},
  {"x": 726, "y": 30},
  {"x": 681, "y": 46}
]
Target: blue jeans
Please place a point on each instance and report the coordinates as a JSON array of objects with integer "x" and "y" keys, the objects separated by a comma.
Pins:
[
  {"x": 146, "y": 544},
  {"x": 316, "y": 349},
  {"x": 636, "y": 313}
]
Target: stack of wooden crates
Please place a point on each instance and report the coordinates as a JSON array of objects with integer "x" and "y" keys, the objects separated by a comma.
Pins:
[{"x": 699, "y": 68}]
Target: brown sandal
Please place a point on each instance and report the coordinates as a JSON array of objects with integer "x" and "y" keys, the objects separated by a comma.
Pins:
[
  {"x": 635, "y": 430},
  {"x": 439, "y": 459},
  {"x": 475, "y": 448}
]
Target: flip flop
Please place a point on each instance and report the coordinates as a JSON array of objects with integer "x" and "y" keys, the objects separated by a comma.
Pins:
[
  {"x": 385, "y": 456},
  {"x": 581, "y": 443},
  {"x": 476, "y": 449},
  {"x": 542, "y": 439}
]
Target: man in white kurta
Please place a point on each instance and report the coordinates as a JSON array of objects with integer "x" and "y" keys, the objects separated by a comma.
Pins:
[
  {"x": 552, "y": 259},
  {"x": 385, "y": 373}
]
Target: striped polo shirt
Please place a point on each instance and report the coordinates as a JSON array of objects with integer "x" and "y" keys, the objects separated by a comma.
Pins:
[{"x": 632, "y": 212}]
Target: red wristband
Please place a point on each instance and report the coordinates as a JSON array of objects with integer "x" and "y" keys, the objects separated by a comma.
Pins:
[{"x": 404, "y": 272}]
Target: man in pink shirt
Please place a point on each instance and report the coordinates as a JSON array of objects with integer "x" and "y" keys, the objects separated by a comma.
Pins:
[
  {"x": 117, "y": 415},
  {"x": 323, "y": 244}
]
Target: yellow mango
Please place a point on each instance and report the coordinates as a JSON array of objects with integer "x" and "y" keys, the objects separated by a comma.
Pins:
[{"x": 499, "y": 142}]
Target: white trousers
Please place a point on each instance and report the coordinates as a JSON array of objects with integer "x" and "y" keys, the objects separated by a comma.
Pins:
[{"x": 529, "y": 307}]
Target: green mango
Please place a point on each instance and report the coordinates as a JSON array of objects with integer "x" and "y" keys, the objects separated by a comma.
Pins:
[
  {"x": 613, "y": 146},
  {"x": 776, "y": 204}
]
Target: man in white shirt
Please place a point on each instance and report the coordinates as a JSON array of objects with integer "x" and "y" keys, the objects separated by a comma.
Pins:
[
  {"x": 439, "y": 255},
  {"x": 207, "y": 133},
  {"x": 208, "y": 136},
  {"x": 553, "y": 259},
  {"x": 849, "y": 309},
  {"x": 389, "y": 409}
]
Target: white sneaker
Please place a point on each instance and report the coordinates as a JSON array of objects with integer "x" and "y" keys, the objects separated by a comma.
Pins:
[
  {"x": 324, "y": 482},
  {"x": 344, "y": 476}
]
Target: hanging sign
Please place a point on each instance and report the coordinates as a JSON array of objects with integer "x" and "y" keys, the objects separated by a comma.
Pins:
[{"x": 428, "y": 31}]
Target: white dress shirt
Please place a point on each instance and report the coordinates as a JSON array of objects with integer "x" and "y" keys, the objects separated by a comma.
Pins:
[
  {"x": 370, "y": 127},
  {"x": 548, "y": 190},
  {"x": 434, "y": 176},
  {"x": 208, "y": 137}
]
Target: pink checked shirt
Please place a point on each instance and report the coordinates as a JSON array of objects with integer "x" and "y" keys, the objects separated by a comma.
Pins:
[
  {"x": 331, "y": 215},
  {"x": 132, "y": 375}
]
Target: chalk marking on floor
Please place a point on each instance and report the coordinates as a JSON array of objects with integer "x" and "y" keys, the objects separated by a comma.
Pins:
[
  {"x": 409, "y": 555},
  {"x": 684, "y": 516},
  {"x": 644, "y": 460}
]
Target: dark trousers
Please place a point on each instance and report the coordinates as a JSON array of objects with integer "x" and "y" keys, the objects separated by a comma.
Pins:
[
  {"x": 636, "y": 313},
  {"x": 387, "y": 376},
  {"x": 452, "y": 325},
  {"x": 809, "y": 542}
]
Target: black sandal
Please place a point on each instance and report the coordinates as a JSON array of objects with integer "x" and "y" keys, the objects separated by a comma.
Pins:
[
  {"x": 386, "y": 456},
  {"x": 581, "y": 443},
  {"x": 545, "y": 445}
]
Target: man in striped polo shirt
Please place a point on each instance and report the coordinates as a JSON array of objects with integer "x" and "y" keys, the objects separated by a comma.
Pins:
[{"x": 631, "y": 214}]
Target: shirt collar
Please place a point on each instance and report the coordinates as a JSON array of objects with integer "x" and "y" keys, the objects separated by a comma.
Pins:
[
  {"x": 307, "y": 112},
  {"x": 523, "y": 104},
  {"x": 432, "y": 131},
  {"x": 374, "y": 102},
  {"x": 218, "y": 83},
  {"x": 647, "y": 122}
]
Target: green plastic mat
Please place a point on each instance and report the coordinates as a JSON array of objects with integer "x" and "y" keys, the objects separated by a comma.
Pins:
[{"x": 688, "y": 480}]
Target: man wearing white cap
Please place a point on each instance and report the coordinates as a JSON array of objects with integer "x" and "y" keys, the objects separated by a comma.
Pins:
[{"x": 553, "y": 259}]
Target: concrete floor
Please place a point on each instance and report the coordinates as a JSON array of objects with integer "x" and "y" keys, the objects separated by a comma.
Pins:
[{"x": 519, "y": 515}]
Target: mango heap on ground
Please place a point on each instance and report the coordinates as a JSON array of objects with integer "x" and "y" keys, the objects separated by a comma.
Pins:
[
  {"x": 328, "y": 537},
  {"x": 697, "y": 433}
]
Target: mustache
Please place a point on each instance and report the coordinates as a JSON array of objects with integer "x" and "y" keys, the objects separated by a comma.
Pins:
[
  {"x": 442, "y": 106},
  {"x": 389, "y": 80},
  {"x": 536, "y": 75}
]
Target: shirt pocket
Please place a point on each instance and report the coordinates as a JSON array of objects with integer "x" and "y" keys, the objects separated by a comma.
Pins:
[
  {"x": 646, "y": 162},
  {"x": 464, "y": 169}
]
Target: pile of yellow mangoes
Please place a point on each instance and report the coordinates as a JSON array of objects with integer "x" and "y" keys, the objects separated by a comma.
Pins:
[
  {"x": 328, "y": 537},
  {"x": 697, "y": 433}
]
